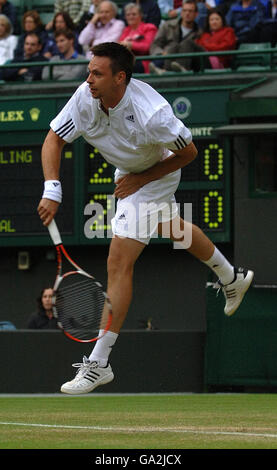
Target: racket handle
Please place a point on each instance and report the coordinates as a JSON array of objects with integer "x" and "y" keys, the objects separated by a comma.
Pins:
[{"x": 54, "y": 233}]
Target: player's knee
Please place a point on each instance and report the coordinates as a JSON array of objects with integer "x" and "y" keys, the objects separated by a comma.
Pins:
[{"x": 119, "y": 263}]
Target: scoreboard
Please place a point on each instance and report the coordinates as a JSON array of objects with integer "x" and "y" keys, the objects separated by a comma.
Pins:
[
  {"x": 87, "y": 179},
  {"x": 204, "y": 183},
  {"x": 21, "y": 189}
]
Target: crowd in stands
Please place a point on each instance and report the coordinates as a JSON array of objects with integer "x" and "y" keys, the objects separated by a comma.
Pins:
[{"x": 147, "y": 27}]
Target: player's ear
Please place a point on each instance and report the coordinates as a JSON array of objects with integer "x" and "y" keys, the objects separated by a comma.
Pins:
[{"x": 121, "y": 77}]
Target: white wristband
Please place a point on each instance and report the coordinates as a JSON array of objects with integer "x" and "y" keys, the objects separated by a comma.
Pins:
[{"x": 52, "y": 190}]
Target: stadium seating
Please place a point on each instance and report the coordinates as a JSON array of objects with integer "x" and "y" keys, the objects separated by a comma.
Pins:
[{"x": 253, "y": 62}]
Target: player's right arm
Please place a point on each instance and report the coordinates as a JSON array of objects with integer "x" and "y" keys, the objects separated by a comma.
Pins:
[{"x": 51, "y": 159}]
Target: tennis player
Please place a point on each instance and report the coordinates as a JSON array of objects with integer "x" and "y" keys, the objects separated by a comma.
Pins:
[{"x": 135, "y": 129}]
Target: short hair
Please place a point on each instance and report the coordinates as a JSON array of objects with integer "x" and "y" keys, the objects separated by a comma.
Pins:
[
  {"x": 64, "y": 32},
  {"x": 113, "y": 4},
  {"x": 130, "y": 6},
  {"x": 191, "y": 1},
  {"x": 33, "y": 34},
  {"x": 9, "y": 27},
  {"x": 121, "y": 58}
]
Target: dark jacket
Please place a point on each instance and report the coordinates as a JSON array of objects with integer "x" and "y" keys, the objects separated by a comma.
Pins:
[
  {"x": 170, "y": 34},
  {"x": 46, "y": 42},
  {"x": 33, "y": 73},
  {"x": 244, "y": 20},
  {"x": 40, "y": 321}
]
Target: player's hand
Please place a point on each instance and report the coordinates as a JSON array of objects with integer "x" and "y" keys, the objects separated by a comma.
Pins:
[
  {"x": 127, "y": 185},
  {"x": 47, "y": 210}
]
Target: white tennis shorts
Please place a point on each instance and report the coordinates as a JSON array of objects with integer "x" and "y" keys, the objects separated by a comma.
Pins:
[{"x": 138, "y": 215}]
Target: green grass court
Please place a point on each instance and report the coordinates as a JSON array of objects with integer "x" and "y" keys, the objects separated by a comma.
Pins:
[{"x": 189, "y": 421}]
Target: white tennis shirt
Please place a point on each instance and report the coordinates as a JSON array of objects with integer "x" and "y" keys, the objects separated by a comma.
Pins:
[{"x": 140, "y": 131}]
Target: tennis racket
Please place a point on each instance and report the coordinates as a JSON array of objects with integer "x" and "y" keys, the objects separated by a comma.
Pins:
[{"x": 80, "y": 304}]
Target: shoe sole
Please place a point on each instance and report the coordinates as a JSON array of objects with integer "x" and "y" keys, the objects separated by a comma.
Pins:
[
  {"x": 249, "y": 278},
  {"x": 108, "y": 378}
]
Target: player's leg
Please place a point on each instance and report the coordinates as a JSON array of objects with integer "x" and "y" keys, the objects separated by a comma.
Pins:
[
  {"x": 123, "y": 254},
  {"x": 96, "y": 370},
  {"x": 234, "y": 282}
]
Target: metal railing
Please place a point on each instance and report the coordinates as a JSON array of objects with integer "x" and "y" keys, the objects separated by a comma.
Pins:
[{"x": 271, "y": 64}]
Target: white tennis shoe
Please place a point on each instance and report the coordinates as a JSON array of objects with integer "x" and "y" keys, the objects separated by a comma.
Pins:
[
  {"x": 235, "y": 291},
  {"x": 88, "y": 377}
]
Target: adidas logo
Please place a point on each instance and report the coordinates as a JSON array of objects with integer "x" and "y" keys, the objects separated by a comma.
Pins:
[
  {"x": 56, "y": 184},
  {"x": 122, "y": 216},
  {"x": 130, "y": 118}
]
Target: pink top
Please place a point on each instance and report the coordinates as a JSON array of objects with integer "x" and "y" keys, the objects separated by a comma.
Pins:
[
  {"x": 141, "y": 39},
  {"x": 96, "y": 34}
]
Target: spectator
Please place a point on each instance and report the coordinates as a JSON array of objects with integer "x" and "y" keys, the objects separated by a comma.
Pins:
[
  {"x": 217, "y": 37},
  {"x": 203, "y": 8},
  {"x": 75, "y": 9},
  {"x": 7, "y": 40},
  {"x": 32, "y": 53},
  {"x": 88, "y": 15},
  {"x": 31, "y": 23},
  {"x": 244, "y": 17},
  {"x": 267, "y": 30},
  {"x": 65, "y": 43},
  {"x": 43, "y": 318},
  {"x": 62, "y": 21},
  {"x": 8, "y": 9},
  {"x": 151, "y": 11},
  {"x": 103, "y": 27},
  {"x": 177, "y": 36},
  {"x": 171, "y": 9},
  {"x": 137, "y": 36}
]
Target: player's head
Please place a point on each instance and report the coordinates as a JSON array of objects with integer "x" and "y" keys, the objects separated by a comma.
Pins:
[{"x": 121, "y": 59}]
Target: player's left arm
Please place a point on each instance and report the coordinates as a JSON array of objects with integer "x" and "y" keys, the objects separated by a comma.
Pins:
[{"x": 132, "y": 182}]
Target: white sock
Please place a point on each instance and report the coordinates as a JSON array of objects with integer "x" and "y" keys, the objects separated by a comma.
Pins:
[
  {"x": 221, "y": 266},
  {"x": 103, "y": 348}
]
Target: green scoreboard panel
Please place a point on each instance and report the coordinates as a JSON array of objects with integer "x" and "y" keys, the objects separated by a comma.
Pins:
[
  {"x": 204, "y": 183},
  {"x": 87, "y": 179},
  {"x": 21, "y": 189}
]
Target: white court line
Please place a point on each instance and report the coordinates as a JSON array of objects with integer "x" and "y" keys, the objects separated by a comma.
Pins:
[{"x": 144, "y": 430}]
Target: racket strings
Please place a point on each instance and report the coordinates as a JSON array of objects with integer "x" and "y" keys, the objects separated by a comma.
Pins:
[
  {"x": 73, "y": 286},
  {"x": 74, "y": 294},
  {"x": 80, "y": 305}
]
